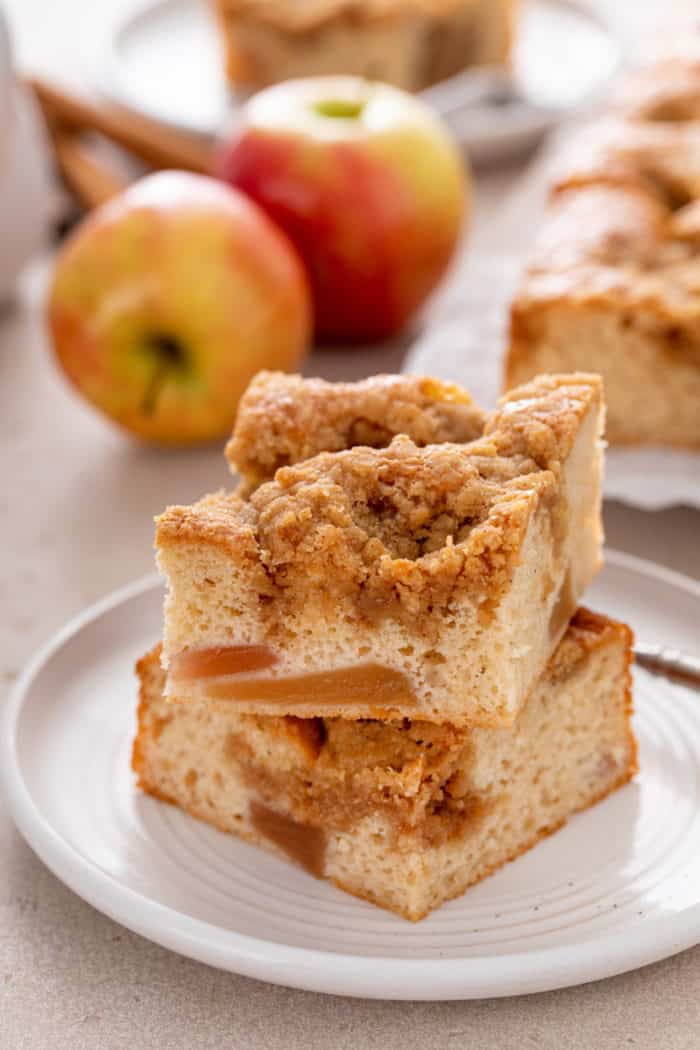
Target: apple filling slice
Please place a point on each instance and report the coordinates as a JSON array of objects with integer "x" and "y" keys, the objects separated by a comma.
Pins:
[
  {"x": 300, "y": 842},
  {"x": 233, "y": 673},
  {"x": 219, "y": 661}
]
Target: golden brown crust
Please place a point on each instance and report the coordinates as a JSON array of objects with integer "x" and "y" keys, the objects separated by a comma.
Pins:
[
  {"x": 284, "y": 419},
  {"x": 621, "y": 235},
  {"x": 614, "y": 246},
  {"x": 660, "y": 159},
  {"x": 401, "y": 529},
  {"x": 666, "y": 93},
  {"x": 150, "y": 677}
]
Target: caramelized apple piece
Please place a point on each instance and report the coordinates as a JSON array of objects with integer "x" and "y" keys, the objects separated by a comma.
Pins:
[
  {"x": 371, "y": 684},
  {"x": 301, "y": 843},
  {"x": 220, "y": 661},
  {"x": 564, "y": 607}
]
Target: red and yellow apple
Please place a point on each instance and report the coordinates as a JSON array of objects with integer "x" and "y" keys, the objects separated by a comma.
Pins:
[
  {"x": 169, "y": 298},
  {"x": 369, "y": 186}
]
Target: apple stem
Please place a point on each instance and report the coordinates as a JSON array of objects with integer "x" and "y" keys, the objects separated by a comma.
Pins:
[
  {"x": 339, "y": 108},
  {"x": 152, "y": 393},
  {"x": 168, "y": 354}
]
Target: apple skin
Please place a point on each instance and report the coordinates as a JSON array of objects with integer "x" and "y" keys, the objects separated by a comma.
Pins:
[
  {"x": 169, "y": 298},
  {"x": 375, "y": 203}
]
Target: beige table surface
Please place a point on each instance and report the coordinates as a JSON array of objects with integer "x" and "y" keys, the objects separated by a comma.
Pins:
[{"x": 76, "y": 523}]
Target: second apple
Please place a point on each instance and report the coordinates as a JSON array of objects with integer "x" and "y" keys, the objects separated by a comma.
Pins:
[{"x": 368, "y": 184}]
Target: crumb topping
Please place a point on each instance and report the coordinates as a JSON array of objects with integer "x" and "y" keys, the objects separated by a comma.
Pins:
[
  {"x": 403, "y": 502},
  {"x": 538, "y": 421},
  {"x": 284, "y": 419},
  {"x": 401, "y": 529}
]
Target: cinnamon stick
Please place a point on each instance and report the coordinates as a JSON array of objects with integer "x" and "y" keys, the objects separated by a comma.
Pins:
[
  {"x": 158, "y": 146},
  {"x": 91, "y": 181}
]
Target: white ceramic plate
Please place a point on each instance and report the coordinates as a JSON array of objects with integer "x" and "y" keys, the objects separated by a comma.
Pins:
[
  {"x": 617, "y": 888},
  {"x": 166, "y": 61},
  {"x": 464, "y": 342}
]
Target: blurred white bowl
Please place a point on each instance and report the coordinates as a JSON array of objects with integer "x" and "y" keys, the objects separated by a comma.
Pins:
[{"x": 27, "y": 194}]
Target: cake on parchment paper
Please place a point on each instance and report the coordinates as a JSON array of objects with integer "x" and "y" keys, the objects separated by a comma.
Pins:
[{"x": 613, "y": 282}]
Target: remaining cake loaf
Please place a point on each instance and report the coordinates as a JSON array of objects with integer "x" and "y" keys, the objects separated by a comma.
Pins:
[
  {"x": 405, "y": 814},
  {"x": 614, "y": 282},
  {"x": 409, "y": 43},
  {"x": 431, "y": 583}
]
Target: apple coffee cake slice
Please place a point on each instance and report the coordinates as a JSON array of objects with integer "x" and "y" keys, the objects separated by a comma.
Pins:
[
  {"x": 424, "y": 582},
  {"x": 406, "y": 814},
  {"x": 409, "y": 43}
]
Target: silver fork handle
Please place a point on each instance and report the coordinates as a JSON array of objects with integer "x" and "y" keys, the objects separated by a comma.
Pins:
[
  {"x": 480, "y": 87},
  {"x": 668, "y": 661}
]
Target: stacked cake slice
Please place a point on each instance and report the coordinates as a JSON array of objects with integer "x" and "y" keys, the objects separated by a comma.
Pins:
[{"x": 372, "y": 659}]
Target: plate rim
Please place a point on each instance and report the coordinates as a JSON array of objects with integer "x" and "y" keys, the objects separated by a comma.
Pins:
[{"x": 387, "y": 977}]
